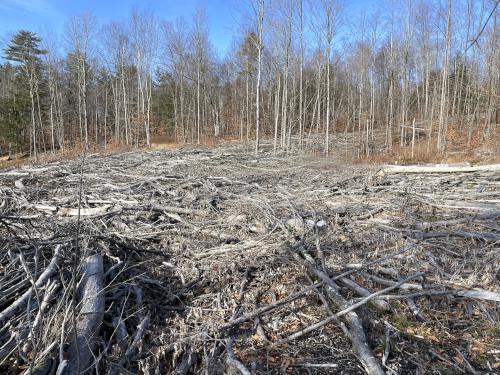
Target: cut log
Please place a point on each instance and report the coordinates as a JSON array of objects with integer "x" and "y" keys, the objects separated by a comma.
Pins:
[
  {"x": 64, "y": 211},
  {"x": 91, "y": 303},
  {"x": 479, "y": 294},
  {"x": 438, "y": 168}
]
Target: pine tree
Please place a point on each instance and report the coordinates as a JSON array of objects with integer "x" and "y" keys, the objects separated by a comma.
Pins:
[{"x": 24, "y": 50}]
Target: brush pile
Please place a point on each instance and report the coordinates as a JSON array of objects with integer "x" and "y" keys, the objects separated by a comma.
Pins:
[{"x": 220, "y": 261}]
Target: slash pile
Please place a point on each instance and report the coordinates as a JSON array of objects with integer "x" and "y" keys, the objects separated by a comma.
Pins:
[{"x": 220, "y": 261}]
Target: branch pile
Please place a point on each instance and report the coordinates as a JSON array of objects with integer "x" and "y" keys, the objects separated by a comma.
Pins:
[{"x": 197, "y": 261}]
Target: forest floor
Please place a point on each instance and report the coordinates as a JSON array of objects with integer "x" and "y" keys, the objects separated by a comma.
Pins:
[{"x": 220, "y": 261}]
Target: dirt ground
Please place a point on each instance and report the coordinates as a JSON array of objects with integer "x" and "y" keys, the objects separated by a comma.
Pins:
[{"x": 200, "y": 246}]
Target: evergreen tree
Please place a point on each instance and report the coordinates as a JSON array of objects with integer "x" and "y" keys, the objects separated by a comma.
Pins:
[
  {"x": 14, "y": 107},
  {"x": 24, "y": 50}
]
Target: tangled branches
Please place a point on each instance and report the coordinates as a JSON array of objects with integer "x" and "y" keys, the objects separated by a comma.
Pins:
[{"x": 199, "y": 261}]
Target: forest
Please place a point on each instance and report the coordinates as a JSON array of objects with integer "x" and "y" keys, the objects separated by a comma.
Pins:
[
  {"x": 322, "y": 198},
  {"x": 415, "y": 77}
]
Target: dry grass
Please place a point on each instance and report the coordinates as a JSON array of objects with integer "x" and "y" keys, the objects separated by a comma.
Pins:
[{"x": 459, "y": 149}]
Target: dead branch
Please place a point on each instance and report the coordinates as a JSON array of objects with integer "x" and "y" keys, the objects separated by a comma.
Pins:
[
  {"x": 40, "y": 282},
  {"x": 200, "y": 244}
]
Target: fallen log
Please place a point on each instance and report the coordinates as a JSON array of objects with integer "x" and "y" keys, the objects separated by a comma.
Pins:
[
  {"x": 91, "y": 302},
  {"x": 67, "y": 211},
  {"x": 64, "y": 211},
  {"x": 438, "y": 168},
  {"x": 485, "y": 295},
  {"x": 483, "y": 216},
  {"x": 479, "y": 294}
]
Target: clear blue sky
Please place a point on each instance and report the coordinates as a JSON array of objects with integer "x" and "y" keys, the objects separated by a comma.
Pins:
[
  {"x": 223, "y": 16},
  {"x": 37, "y": 15}
]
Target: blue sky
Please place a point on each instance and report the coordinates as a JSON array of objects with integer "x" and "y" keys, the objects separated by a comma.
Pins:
[
  {"x": 38, "y": 15},
  {"x": 223, "y": 16}
]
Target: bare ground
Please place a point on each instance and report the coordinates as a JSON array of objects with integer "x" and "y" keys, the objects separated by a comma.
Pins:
[{"x": 203, "y": 250}]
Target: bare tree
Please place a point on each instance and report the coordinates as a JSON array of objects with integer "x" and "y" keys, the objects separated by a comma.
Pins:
[
  {"x": 329, "y": 28},
  {"x": 201, "y": 49},
  {"x": 259, "y": 16},
  {"x": 79, "y": 31},
  {"x": 176, "y": 50},
  {"x": 443, "y": 124},
  {"x": 402, "y": 73},
  {"x": 145, "y": 45}
]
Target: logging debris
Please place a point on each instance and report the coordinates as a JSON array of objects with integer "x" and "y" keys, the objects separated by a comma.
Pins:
[{"x": 219, "y": 261}]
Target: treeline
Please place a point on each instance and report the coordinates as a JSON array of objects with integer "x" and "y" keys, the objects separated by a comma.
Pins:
[{"x": 297, "y": 70}]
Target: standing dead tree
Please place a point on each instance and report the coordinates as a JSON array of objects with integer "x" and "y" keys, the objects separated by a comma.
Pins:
[{"x": 259, "y": 17}]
